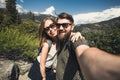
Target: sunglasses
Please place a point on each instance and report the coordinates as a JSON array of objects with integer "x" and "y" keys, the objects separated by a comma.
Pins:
[
  {"x": 50, "y": 26},
  {"x": 64, "y": 25}
]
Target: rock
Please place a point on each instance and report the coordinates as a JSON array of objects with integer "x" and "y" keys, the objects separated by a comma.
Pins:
[
  {"x": 24, "y": 77},
  {"x": 14, "y": 70},
  {"x": 24, "y": 69},
  {"x": 23, "y": 66},
  {"x": 6, "y": 67}
]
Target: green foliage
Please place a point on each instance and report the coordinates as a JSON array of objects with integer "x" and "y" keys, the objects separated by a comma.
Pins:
[
  {"x": 19, "y": 41},
  {"x": 6, "y": 20},
  {"x": 104, "y": 35},
  {"x": 14, "y": 42},
  {"x": 29, "y": 26}
]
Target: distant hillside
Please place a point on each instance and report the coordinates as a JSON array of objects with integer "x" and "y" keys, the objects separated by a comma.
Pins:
[
  {"x": 104, "y": 35},
  {"x": 38, "y": 18},
  {"x": 101, "y": 26}
]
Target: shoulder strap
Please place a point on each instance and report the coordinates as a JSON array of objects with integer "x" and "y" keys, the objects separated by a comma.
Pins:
[{"x": 39, "y": 51}]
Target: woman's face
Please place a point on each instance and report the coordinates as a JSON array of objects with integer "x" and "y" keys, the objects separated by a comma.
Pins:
[{"x": 50, "y": 28}]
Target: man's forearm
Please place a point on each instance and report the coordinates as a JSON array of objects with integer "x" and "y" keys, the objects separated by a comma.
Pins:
[{"x": 99, "y": 65}]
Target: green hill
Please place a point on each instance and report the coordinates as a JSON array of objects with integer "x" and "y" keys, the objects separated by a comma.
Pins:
[{"x": 104, "y": 35}]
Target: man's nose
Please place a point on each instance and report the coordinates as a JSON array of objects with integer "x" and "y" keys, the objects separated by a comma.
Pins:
[{"x": 61, "y": 27}]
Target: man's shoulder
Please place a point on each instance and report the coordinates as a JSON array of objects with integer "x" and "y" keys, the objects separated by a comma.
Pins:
[{"x": 78, "y": 43}]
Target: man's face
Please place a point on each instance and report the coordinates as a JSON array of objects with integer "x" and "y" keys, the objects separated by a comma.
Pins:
[{"x": 64, "y": 28}]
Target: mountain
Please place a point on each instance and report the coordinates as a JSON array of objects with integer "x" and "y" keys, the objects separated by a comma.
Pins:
[
  {"x": 101, "y": 26},
  {"x": 103, "y": 35},
  {"x": 37, "y": 18}
]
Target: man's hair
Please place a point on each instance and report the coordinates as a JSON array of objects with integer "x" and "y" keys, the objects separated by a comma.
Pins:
[{"x": 65, "y": 16}]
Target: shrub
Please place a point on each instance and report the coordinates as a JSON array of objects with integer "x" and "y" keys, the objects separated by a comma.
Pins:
[{"x": 16, "y": 44}]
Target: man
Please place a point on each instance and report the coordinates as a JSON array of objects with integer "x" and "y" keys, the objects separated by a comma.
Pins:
[
  {"x": 94, "y": 63},
  {"x": 67, "y": 64}
]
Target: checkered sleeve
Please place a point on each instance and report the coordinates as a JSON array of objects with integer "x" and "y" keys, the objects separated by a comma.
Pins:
[{"x": 79, "y": 42}]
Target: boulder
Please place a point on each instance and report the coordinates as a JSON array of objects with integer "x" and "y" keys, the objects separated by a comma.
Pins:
[
  {"x": 6, "y": 67},
  {"x": 14, "y": 70}
]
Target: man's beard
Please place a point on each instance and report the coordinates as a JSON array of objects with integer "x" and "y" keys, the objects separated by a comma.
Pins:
[{"x": 63, "y": 37}]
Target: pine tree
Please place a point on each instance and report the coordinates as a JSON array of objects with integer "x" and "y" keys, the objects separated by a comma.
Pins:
[
  {"x": 31, "y": 16},
  {"x": 11, "y": 9},
  {"x": 1, "y": 18}
]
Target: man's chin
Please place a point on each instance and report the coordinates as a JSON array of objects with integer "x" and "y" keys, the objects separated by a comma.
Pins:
[{"x": 61, "y": 37}]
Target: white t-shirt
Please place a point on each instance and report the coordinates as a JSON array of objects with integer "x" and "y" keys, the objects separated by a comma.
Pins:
[{"x": 51, "y": 58}]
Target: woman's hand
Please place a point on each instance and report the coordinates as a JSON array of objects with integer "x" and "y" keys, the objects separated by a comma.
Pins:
[
  {"x": 44, "y": 78},
  {"x": 76, "y": 36}
]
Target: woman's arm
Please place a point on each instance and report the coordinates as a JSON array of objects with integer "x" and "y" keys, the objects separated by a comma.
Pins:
[
  {"x": 44, "y": 53},
  {"x": 75, "y": 36}
]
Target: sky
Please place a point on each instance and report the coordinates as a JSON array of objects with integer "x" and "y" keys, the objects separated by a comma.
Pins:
[{"x": 83, "y": 11}]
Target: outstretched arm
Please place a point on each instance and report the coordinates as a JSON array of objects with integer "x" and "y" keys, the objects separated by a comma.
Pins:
[{"x": 97, "y": 64}]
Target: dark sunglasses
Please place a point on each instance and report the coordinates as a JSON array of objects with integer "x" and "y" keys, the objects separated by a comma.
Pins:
[
  {"x": 50, "y": 26},
  {"x": 64, "y": 25}
]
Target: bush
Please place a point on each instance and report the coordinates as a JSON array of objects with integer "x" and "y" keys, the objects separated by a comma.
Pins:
[
  {"x": 107, "y": 40},
  {"x": 17, "y": 44}
]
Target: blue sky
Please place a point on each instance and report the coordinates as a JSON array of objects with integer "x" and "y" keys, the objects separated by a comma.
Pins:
[
  {"x": 70, "y": 6},
  {"x": 83, "y": 11}
]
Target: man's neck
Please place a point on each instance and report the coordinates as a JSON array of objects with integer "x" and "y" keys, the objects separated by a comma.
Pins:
[{"x": 63, "y": 41}]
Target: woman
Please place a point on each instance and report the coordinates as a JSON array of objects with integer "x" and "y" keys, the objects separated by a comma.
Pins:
[{"x": 49, "y": 45}]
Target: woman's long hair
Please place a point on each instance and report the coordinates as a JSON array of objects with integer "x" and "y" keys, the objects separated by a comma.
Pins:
[{"x": 42, "y": 34}]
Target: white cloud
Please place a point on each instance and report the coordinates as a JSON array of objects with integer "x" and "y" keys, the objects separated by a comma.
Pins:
[
  {"x": 2, "y": 1},
  {"x": 2, "y": 4},
  {"x": 49, "y": 10},
  {"x": 94, "y": 17},
  {"x": 20, "y": 8},
  {"x": 22, "y": 1},
  {"x": 36, "y": 13}
]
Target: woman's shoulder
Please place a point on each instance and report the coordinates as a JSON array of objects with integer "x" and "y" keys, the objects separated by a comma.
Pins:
[{"x": 47, "y": 43}]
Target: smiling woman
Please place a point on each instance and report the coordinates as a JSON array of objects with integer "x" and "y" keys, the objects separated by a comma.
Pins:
[{"x": 43, "y": 66}]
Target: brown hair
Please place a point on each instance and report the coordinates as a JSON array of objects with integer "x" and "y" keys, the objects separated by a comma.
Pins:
[
  {"x": 42, "y": 34},
  {"x": 65, "y": 16}
]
